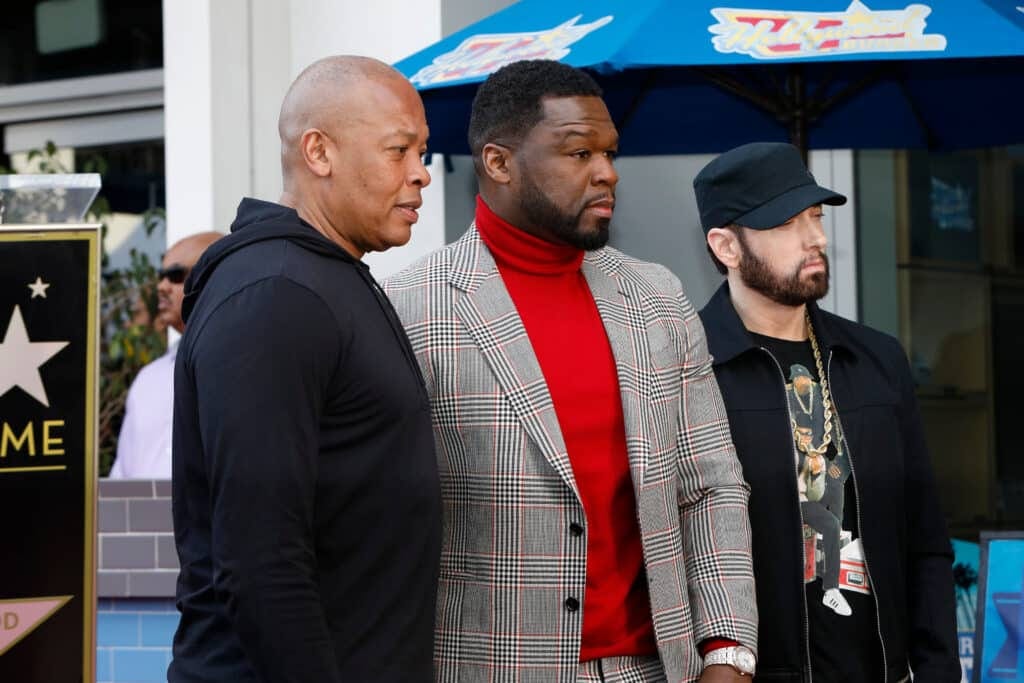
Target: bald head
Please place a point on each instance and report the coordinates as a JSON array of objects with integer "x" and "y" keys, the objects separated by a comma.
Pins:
[
  {"x": 328, "y": 95},
  {"x": 196, "y": 243},
  {"x": 353, "y": 136},
  {"x": 178, "y": 260}
]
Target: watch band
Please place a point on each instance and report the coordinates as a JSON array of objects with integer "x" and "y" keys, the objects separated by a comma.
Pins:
[{"x": 739, "y": 657}]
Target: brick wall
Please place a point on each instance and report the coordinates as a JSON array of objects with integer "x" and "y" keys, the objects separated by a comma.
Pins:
[
  {"x": 138, "y": 567},
  {"x": 136, "y": 543}
]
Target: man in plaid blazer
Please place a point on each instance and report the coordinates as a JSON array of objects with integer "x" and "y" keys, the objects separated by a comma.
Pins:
[{"x": 595, "y": 514}]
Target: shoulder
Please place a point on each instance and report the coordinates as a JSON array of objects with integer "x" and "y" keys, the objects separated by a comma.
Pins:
[
  {"x": 273, "y": 310},
  {"x": 871, "y": 348},
  {"x": 862, "y": 338},
  {"x": 429, "y": 269},
  {"x": 157, "y": 371},
  {"x": 154, "y": 380},
  {"x": 655, "y": 288},
  {"x": 275, "y": 275},
  {"x": 421, "y": 292},
  {"x": 646, "y": 274},
  {"x": 459, "y": 263},
  {"x": 430, "y": 286}
]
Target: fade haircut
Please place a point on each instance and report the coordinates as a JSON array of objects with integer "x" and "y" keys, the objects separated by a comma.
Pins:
[{"x": 509, "y": 103}]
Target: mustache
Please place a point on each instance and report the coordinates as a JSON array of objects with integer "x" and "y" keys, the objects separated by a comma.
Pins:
[{"x": 821, "y": 256}]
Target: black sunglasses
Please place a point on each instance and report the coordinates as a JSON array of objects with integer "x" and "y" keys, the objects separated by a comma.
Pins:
[{"x": 174, "y": 274}]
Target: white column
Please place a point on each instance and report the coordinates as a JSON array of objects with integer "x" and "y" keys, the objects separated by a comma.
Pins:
[
  {"x": 208, "y": 115},
  {"x": 271, "y": 73},
  {"x": 834, "y": 169},
  {"x": 188, "y": 124},
  {"x": 231, "y": 80},
  {"x": 388, "y": 30}
]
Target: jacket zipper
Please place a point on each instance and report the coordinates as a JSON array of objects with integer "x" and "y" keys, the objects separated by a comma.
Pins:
[
  {"x": 800, "y": 535},
  {"x": 860, "y": 531}
]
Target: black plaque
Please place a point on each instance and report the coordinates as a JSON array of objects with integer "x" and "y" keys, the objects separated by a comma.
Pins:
[{"x": 49, "y": 294}]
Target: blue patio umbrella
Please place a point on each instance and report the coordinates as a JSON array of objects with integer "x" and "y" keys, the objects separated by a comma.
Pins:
[{"x": 690, "y": 76}]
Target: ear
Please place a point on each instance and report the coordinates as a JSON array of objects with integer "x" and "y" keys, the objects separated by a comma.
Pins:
[
  {"x": 314, "y": 146},
  {"x": 495, "y": 160},
  {"x": 725, "y": 246}
]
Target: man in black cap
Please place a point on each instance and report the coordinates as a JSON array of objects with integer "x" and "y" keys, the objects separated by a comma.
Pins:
[{"x": 893, "y": 610}]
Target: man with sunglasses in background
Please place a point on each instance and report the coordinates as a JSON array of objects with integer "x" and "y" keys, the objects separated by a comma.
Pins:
[{"x": 144, "y": 444}]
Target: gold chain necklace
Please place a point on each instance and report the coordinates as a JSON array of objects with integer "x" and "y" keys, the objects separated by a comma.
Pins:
[{"x": 826, "y": 400}]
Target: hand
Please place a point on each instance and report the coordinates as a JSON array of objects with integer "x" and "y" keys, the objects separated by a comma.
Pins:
[
  {"x": 835, "y": 471},
  {"x": 722, "y": 673}
]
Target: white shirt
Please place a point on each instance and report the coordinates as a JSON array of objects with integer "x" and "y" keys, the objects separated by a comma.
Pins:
[{"x": 144, "y": 445}]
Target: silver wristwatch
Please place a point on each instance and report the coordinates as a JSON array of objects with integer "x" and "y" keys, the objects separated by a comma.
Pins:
[{"x": 739, "y": 657}]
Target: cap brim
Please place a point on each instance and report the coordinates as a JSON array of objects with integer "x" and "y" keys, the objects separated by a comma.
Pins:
[{"x": 788, "y": 204}]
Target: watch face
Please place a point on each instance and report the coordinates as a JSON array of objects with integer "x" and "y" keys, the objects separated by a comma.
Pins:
[{"x": 745, "y": 661}]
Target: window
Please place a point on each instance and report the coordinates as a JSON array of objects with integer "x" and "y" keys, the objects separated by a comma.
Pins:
[{"x": 44, "y": 40}]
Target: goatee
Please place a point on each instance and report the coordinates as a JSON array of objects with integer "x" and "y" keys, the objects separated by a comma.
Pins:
[
  {"x": 788, "y": 291},
  {"x": 542, "y": 212}
]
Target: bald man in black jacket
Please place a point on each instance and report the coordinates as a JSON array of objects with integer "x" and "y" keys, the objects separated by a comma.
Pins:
[{"x": 305, "y": 487}]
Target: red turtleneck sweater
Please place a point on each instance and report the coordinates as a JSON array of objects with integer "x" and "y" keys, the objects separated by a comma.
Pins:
[{"x": 569, "y": 340}]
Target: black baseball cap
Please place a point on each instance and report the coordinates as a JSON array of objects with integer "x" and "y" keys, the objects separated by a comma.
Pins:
[{"x": 760, "y": 185}]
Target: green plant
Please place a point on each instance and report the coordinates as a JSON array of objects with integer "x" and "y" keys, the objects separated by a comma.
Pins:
[{"x": 128, "y": 309}]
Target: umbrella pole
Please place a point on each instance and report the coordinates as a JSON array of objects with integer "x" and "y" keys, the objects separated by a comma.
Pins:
[
  {"x": 798, "y": 117},
  {"x": 788, "y": 104}
]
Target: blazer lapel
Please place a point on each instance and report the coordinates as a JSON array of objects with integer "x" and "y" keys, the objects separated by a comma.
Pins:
[
  {"x": 620, "y": 307},
  {"x": 493, "y": 323}
]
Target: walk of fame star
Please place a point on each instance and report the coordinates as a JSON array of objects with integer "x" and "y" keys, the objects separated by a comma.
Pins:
[
  {"x": 20, "y": 359},
  {"x": 38, "y": 287}
]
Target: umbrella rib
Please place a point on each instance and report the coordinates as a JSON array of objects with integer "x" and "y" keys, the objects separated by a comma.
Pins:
[
  {"x": 730, "y": 84},
  {"x": 932, "y": 140},
  {"x": 627, "y": 116},
  {"x": 847, "y": 92}
]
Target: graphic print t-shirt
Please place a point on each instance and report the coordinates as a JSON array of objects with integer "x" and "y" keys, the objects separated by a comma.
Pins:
[{"x": 844, "y": 639}]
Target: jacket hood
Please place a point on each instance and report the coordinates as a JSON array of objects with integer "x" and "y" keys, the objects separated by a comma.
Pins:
[{"x": 258, "y": 221}]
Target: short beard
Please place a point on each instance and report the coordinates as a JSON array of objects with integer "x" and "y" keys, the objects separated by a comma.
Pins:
[
  {"x": 542, "y": 212},
  {"x": 787, "y": 291}
]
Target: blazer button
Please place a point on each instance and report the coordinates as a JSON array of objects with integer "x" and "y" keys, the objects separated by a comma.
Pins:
[
  {"x": 572, "y": 604},
  {"x": 575, "y": 529}
]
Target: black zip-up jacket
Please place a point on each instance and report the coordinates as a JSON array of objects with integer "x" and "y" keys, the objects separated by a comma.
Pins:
[
  {"x": 906, "y": 544},
  {"x": 306, "y": 498}
]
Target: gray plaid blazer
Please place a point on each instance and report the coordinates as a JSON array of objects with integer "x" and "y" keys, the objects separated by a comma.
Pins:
[{"x": 509, "y": 563}]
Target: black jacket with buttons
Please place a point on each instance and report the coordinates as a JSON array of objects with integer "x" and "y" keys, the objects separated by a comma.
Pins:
[{"x": 903, "y": 531}]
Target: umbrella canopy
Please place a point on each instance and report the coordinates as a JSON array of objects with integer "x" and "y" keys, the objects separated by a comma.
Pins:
[{"x": 696, "y": 76}]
